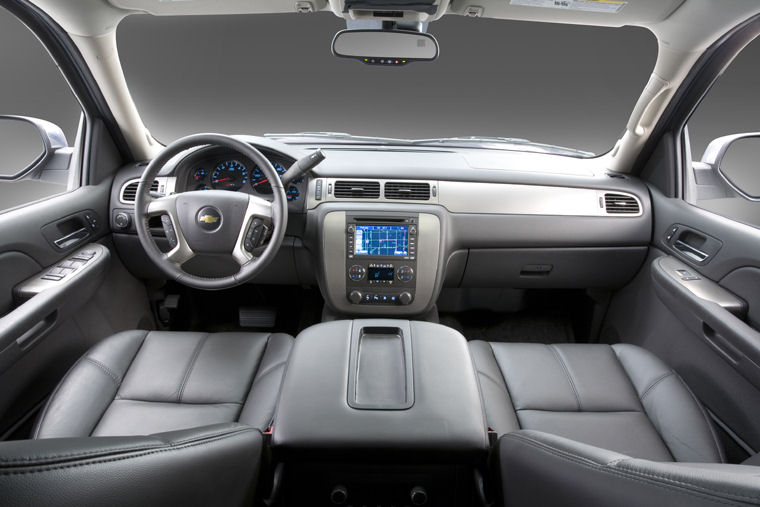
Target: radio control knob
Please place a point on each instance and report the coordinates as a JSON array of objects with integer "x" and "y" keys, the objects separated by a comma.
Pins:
[
  {"x": 350, "y": 229},
  {"x": 355, "y": 297},
  {"x": 405, "y": 298}
]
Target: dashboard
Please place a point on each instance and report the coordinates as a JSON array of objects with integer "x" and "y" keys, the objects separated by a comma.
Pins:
[
  {"x": 383, "y": 230},
  {"x": 222, "y": 169}
]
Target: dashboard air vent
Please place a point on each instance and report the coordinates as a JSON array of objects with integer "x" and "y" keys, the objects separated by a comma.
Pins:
[
  {"x": 407, "y": 191},
  {"x": 357, "y": 189},
  {"x": 129, "y": 192},
  {"x": 620, "y": 204}
]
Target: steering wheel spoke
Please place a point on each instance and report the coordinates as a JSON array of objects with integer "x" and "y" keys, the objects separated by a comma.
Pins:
[{"x": 257, "y": 226}]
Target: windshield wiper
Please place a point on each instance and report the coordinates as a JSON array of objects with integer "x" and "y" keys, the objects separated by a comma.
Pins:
[
  {"x": 343, "y": 136},
  {"x": 504, "y": 142}
]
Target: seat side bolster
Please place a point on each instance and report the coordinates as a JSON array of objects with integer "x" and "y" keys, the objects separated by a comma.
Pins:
[
  {"x": 589, "y": 476},
  {"x": 84, "y": 394},
  {"x": 677, "y": 415},
  {"x": 260, "y": 403},
  {"x": 497, "y": 402},
  {"x": 163, "y": 469}
]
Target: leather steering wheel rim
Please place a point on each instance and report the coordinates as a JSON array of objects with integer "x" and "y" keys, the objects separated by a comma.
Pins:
[{"x": 248, "y": 268}]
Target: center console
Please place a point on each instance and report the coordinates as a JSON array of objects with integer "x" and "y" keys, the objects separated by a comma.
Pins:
[
  {"x": 380, "y": 263},
  {"x": 379, "y": 412}
]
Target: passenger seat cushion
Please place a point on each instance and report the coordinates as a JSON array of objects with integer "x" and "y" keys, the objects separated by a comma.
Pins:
[
  {"x": 619, "y": 397},
  {"x": 139, "y": 382},
  {"x": 586, "y": 476}
]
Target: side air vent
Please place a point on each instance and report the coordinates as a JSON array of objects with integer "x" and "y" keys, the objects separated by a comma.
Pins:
[
  {"x": 357, "y": 189},
  {"x": 621, "y": 204},
  {"x": 129, "y": 191},
  {"x": 407, "y": 191}
]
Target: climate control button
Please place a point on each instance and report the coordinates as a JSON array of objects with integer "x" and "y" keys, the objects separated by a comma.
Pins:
[
  {"x": 356, "y": 272},
  {"x": 405, "y": 274}
]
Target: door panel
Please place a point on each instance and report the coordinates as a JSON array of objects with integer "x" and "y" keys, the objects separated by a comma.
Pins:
[{"x": 705, "y": 328}]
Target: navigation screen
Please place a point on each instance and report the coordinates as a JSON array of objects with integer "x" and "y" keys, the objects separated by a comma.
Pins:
[{"x": 382, "y": 240}]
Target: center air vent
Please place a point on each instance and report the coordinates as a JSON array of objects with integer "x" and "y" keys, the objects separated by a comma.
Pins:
[
  {"x": 407, "y": 191},
  {"x": 621, "y": 204},
  {"x": 357, "y": 189},
  {"x": 129, "y": 191}
]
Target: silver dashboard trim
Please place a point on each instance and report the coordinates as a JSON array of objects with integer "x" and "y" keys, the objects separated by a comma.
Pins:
[{"x": 496, "y": 198}]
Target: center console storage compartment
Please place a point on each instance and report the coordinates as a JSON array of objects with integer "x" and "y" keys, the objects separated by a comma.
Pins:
[{"x": 378, "y": 411}]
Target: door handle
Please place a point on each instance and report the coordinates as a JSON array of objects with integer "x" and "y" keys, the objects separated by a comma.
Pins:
[
  {"x": 689, "y": 251},
  {"x": 72, "y": 238}
]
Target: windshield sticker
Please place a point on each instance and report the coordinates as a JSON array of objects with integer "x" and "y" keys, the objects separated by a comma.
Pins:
[{"x": 609, "y": 6}]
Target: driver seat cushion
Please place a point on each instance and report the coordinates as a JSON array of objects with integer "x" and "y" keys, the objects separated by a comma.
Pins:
[{"x": 146, "y": 382}]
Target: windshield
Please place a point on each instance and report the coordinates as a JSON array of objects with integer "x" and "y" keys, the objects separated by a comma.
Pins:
[{"x": 563, "y": 85}]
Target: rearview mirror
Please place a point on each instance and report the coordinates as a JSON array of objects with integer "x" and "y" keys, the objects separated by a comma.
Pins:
[{"x": 385, "y": 47}]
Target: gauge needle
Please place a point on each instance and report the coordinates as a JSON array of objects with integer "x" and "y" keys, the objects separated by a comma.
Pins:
[
  {"x": 259, "y": 183},
  {"x": 221, "y": 180}
]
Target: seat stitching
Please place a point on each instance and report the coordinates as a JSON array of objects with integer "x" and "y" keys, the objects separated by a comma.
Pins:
[
  {"x": 254, "y": 376},
  {"x": 27, "y": 459},
  {"x": 169, "y": 447},
  {"x": 267, "y": 372},
  {"x": 190, "y": 366},
  {"x": 105, "y": 369},
  {"x": 489, "y": 377},
  {"x": 655, "y": 383},
  {"x": 630, "y": 474},
  {"x": 180, "y": 402},
  {"x": 118, "y": 388},
  {"x": 562, "y": 363},
  {"x": 43, "y": 415}
]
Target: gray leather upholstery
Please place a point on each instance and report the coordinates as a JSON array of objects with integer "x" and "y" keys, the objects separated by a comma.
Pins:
[
  {"x": 618, "y": 397},
  {"x": 547, "y": 470},
  {"x": 215, "y": 465},
  {"x": 140, "y": 382}
]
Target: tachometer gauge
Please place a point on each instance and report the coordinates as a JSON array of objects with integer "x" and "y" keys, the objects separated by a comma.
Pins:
[
  {"x": 229, "y": 175},
  {"x": 293, "y": 193},
  {"x": 200, "y": 174},
  {"x": 259, "y": 181}
]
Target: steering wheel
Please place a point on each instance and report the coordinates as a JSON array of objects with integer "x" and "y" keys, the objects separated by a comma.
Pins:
[{"x": 212, "y": 221}]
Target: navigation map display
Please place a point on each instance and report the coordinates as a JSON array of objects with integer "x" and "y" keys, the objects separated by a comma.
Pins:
[{"x": 388, "y": 240}]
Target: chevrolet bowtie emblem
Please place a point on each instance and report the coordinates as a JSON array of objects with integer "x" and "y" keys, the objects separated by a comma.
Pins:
[{"x": 209, "y": 219}]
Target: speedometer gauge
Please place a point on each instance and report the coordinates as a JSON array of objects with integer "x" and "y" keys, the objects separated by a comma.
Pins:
[
  {"x": 259, "y": 181},
  {"x": 229, "y": 175}
]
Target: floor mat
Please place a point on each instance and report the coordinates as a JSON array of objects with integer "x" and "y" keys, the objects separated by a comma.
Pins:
[{"x": 517, "y": 327}]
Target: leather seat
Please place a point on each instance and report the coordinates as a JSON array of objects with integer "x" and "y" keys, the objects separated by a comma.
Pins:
[
  {"x": 596, "y": 425},
  {"x": 141, "y": 383},
  {"x": 618, "y": 397},
  {"x": 178, "y": 416}
]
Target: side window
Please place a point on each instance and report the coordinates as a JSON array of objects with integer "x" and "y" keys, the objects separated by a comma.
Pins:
[
  {"x": 39, "y": 119},
  {"x": 724, "y": 134}
]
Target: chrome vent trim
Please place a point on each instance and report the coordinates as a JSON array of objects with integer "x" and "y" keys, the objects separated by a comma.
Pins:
[
  {"x": 621, "y": 204},
  {"x": 355, "y": 189},
  {"x": 162, "y": 185},
  {"x": 407, "y": 191}
]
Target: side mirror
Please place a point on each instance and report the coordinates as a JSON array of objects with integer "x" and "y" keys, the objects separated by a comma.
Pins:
[
  {"x": 385, "y": 47},
  {"x": 27, "y": 143},
  {"x": 737, "y": 159}
]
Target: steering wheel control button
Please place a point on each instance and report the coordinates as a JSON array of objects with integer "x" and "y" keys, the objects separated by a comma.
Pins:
[
  {"x": 171, "y": 236},
  {"x": 356, "y": 272},
  {"x": 256, "y": 235},
  {"x": 405, "y": 274},
  {"x": 209, "y": 218}
]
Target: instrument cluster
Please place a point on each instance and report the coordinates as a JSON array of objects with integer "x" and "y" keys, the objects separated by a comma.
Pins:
[{"x": 238, "y": 174}]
